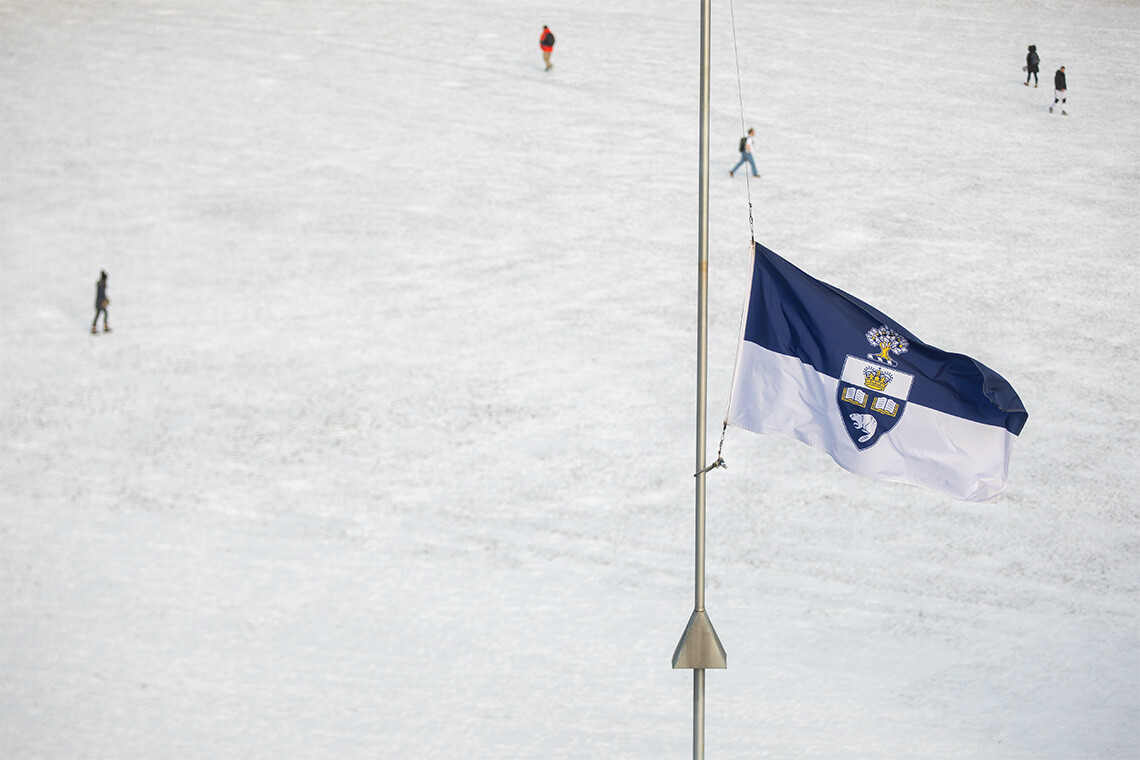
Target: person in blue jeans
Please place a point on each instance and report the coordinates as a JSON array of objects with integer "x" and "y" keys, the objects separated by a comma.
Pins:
[{"x": 746, "y": 154}]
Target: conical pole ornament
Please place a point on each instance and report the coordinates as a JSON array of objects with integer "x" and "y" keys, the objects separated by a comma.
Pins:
[{"x": 699, "y": 646}]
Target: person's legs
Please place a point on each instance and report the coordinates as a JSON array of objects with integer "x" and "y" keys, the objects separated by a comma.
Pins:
[{"x": 752, "y": 163}]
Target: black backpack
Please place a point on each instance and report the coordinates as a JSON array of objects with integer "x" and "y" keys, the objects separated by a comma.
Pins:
[{"x": 743, "y": 142}]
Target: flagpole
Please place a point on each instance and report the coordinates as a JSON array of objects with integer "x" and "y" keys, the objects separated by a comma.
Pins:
[
  {"x": 702, "y": 306},
  {"x": 700, "y": 647}
]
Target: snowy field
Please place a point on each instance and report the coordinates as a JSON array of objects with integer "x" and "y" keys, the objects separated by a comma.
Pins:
[{"x": 390, "y": 451}]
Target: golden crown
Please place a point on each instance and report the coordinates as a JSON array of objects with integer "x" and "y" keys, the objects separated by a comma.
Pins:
[{"x": 877, "y": 378}]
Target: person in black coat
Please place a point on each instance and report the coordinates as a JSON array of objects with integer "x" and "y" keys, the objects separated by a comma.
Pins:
[
  {"x": 1032, "y": 61},
  {"x": 101, "y": 301},
  {"x": 1060, "y": 90}
]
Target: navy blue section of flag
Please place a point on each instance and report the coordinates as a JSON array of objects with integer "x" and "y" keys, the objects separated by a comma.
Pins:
[{"x": 793, "y": 313}]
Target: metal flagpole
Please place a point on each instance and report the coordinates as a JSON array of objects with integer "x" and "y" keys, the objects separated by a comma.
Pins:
[{"x": 700, "y": 648}]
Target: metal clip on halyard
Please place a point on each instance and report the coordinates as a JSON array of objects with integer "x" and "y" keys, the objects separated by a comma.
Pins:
[
  {"x": 718, "y": 463},
  {"x": 719, "y": 459}
]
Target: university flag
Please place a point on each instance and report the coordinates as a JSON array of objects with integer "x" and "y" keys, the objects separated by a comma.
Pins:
[{"x": 821, "y": 366}]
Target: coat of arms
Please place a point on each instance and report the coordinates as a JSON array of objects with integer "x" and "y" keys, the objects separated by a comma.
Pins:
[{"x": 871, "y": 397}]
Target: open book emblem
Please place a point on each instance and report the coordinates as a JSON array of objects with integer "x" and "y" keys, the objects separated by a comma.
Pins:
[{"x": 872, "y": 399}]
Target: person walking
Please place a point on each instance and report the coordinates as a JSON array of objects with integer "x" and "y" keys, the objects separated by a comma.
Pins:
[
  {"x": 1032, "y": 61},
  {"x": 101, "y": 302},
  {"x": 746, "y": 154},
  {"x": 546, "y": 42},
  {"x": 1060, "y": 91}
]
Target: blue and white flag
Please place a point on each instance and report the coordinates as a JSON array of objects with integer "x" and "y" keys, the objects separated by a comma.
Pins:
[{"x": 819, "y": 365}]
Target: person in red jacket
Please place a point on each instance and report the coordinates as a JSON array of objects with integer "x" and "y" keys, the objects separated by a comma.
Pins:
[{"x": 546, "y": 42}]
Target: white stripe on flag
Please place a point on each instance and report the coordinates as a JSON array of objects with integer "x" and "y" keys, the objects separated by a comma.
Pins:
[{"x": 777, "y": 393}]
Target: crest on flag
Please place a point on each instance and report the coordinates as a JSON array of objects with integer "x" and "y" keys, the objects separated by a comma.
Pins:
[
  {"x": 872, "y": 399},
  {"x": 888, "y": 342}
]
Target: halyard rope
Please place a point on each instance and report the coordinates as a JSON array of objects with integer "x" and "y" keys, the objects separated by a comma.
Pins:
[
  {"x": 740, "y": 98},
  {"x": 748, "y": 194}
]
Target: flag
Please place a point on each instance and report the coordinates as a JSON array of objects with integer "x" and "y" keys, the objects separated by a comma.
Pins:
[{"x": 821, "y": 366}]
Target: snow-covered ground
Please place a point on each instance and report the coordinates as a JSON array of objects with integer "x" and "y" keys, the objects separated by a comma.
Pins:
[{"x": 390, "y": 452}]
